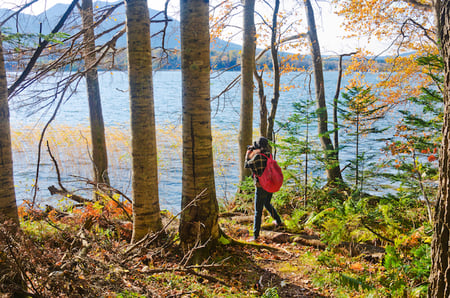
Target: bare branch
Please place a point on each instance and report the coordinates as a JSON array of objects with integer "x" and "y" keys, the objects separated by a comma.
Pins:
[
  {"x": 283, "y": 41},
  {"x": 425, "y": 30},
  {"x": 42, "y": 138},
  {"x": 143, "y": 240},
  {"x": 260, "y": 55},
  {"x": 17, "y": 12},
  {"x": 40, "y": 48},
  {"x": 424, "y": 6},
  {"x": 58, "y": 173}
]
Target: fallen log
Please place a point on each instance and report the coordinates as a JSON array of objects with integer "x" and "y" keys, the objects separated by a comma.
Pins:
[
  {"x": 79, "y": 199},
  {"x": 369, "y": 252}
]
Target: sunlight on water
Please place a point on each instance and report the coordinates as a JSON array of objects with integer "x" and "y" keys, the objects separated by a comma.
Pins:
[
  {"x": 69, "y": 136},
  {"x": 69, "y": 146}
]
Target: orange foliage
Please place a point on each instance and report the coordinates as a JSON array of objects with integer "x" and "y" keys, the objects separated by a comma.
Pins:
[
  {"x": 404, "y": 28},
  {"x": 432, "y": 158},
  {"x": 357, "y": 267},
  {"x": 388, "y": 20},
  {"x": 220, "y": 18}
]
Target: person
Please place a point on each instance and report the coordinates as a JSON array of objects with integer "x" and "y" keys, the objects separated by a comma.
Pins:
[{"x": 257, "y": 164}]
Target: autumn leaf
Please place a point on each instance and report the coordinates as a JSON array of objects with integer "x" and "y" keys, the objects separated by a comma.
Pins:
[
  {"x": 431, "y": 158},
  {"x": 357, "y": 267}
]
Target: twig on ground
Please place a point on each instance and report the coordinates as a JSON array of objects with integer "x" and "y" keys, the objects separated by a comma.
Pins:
[{"x": 135, "y": 245}]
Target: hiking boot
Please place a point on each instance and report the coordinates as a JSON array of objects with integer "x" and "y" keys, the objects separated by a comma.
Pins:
[
  {"x": 253, "y": 239},
  {"x": 278, "y": 226}
]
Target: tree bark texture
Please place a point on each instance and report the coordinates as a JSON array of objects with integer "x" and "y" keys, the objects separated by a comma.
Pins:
[
  {"x": 335, "y": 107},
  {"x": 199, "y": 221},
  {"x": 146, "y": 211},
  {"x": 440, "y": 271},
  {"x": 247, "y": 87},
  {"x": 262, "y": 104},
  {"x": 8, "y": 207},
  {"x": 276, "y": 73},
  {"x": 99, "y": 154},
  {"x": 332, "y": 163}
]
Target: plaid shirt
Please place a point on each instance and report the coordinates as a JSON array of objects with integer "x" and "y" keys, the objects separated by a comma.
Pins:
[{"x": 257, "y": 164}]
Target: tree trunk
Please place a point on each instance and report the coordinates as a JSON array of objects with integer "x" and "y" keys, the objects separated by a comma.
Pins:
[
  {"x": 146, "y": 209},
  {"x": 332, "y": 163},
  {"x": 99, "y": 155},
  {"x": 8, "y": 207},
  {"x": 262, "y": 104},
  {"x": 335, "y": 107},
  {"x": 276, "y": 73},
  {"x": 199, "y": 219},
  {"x": 247, "y": 67},
  {"x": 440, "y": 271},
  {"x": 357, "y": 150},
  {"x": 336, "y": 103}
]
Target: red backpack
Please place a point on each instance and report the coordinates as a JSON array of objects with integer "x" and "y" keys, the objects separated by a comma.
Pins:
[{"x": 272, "y": 177}]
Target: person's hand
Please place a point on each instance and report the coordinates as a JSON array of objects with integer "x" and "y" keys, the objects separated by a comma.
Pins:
[
  {"x": 251, "y": 153},
  {"x": 247, "y": 154}
]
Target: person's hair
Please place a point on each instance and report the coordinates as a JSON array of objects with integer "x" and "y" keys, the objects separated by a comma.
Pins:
[{"x": 261, "y": 143}]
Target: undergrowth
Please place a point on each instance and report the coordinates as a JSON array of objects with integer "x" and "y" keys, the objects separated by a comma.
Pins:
[{"x": 370, "y": 246}]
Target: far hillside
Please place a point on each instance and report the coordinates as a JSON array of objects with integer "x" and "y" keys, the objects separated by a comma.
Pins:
[{"x": 224, "y": 55}]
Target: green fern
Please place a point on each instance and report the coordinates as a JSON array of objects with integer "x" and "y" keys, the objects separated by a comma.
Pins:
[
  {"x": 271, "y": 293},
  {"x": 354, "y": 283}
]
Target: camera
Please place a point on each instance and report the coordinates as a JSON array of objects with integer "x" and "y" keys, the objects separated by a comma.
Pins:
[{"x": 250, "y": 147}]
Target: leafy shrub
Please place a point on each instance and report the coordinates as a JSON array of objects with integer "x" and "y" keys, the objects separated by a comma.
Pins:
[
  {"x": 271, "y": 293},
  {"x": 243, "y": 201},
  {"x": 407, "y": 270},
  {"x": 295, "y": 222}
]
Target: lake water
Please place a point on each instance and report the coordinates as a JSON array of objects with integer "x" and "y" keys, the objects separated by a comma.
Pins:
[{"x": 72, "y": 121}]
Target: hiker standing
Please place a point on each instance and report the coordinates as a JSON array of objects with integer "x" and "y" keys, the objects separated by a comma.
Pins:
[{"x": 256, "y": 161}]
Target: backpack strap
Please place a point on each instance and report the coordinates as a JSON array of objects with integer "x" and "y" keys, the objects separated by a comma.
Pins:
[
  {"x": 253, "y": 174},
  {"x": 266, "y": 155}
]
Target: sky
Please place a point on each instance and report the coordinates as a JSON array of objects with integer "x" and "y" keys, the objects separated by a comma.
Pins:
[{"x": 329, "y": 28}]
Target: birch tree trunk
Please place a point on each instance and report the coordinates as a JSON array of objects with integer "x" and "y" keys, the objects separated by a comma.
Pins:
[
  {"x": 199, "y": 219},
  {"x": 247, "y": 66},
  {"x": 8, "y": 207},
  {"x": 99, "y": 154},
  {"x": 146, "y": 211}
]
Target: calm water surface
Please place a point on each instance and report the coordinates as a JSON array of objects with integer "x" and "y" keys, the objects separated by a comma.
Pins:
[{"x": 115, "y": 102}]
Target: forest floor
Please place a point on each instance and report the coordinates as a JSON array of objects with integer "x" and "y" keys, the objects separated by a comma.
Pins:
[
  {"x": 76, "y": 256},
  {"x": 272, "y": 264},
  {"x": 292, "y": 265}
]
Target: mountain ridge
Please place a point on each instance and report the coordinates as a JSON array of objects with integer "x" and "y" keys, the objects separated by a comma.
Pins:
[
  {"x": 28, "y": 23},
  {"x": 223, "y": 55}
]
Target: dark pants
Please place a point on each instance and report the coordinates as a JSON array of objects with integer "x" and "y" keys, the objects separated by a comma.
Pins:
[{"x": 262, "y": 199}]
